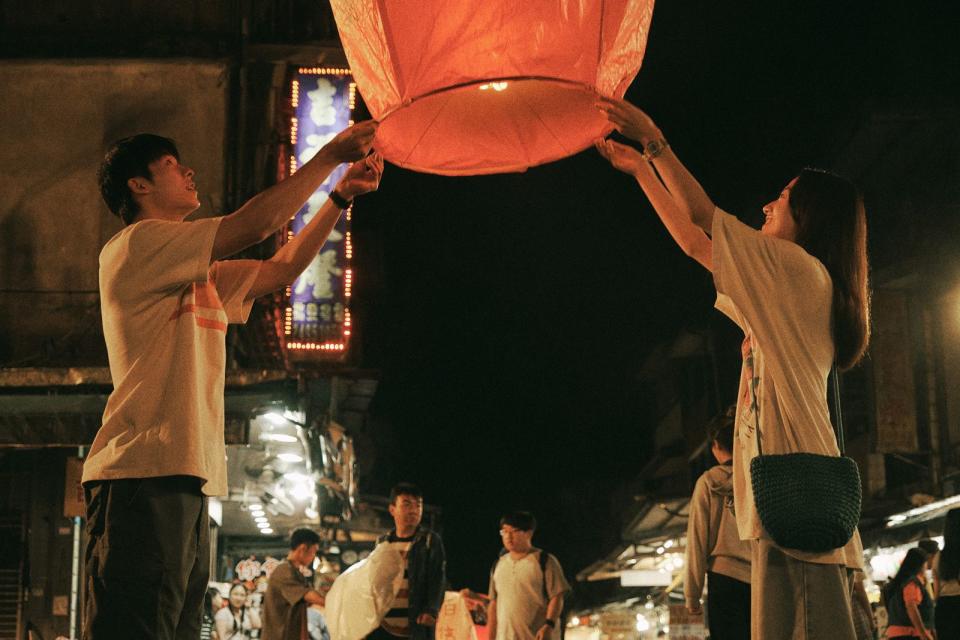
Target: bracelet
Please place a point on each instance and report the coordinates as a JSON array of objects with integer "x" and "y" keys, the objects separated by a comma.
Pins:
[
  {"x": 550, "y": 623},
  {"x": 654, "y": 149},
  {"x": 339, "y": 200}
]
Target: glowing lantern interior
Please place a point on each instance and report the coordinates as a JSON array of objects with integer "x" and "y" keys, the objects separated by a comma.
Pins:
[{"x": 463, "y": 87}]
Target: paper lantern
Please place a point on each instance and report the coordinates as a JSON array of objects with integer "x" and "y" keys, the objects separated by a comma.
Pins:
[{"x": 464, "y": 87}]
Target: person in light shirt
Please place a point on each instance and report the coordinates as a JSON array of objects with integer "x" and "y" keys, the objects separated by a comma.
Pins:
[
  {"x": 527, "y": 585},
  {"x": 798, "y": 289},
  {"x": 167, "y": 296}
]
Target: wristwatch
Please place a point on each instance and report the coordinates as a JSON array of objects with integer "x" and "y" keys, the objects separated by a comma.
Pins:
[
  {"x": 339, "y": 200},
  {"x": 653, "y": 149},
  {"x": 550, "y": 623}
]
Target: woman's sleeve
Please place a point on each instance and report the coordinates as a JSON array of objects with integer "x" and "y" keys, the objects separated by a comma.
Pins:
[{"x": 911, "y": 594}]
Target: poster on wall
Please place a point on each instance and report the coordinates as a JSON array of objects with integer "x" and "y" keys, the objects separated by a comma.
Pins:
[{"x": 317, "y": 317}]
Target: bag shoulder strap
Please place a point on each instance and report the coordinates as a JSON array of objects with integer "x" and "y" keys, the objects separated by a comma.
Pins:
[
  {"x": 544, "y": 557},
  {"x": 837, "y": 410}
]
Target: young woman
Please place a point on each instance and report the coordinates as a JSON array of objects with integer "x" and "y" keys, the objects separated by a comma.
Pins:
[
  {"x": 237, "y": 620},
  {"x": 798, "y": 289},
  {"x": 909, "y": 606},
  {"x": 947, "y": 573}
]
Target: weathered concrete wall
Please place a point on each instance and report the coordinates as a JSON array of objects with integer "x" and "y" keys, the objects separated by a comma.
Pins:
[{"x": 56, "y": 120}]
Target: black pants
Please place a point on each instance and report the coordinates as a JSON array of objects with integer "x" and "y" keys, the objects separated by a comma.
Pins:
[
  {"x": 947, "y": 616},
  {"x": 147, "y": 558},
  {"x": 728, "y": 607}
]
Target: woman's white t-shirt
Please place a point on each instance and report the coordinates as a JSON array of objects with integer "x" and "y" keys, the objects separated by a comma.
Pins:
[{"x": 781, "y": 297}]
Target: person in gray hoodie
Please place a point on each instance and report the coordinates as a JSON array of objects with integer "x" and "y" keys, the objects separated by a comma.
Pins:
[{"x": 714, "y": 549}]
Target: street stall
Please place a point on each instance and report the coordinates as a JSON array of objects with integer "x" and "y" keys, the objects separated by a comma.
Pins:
[{"x": 649, "y": 570}]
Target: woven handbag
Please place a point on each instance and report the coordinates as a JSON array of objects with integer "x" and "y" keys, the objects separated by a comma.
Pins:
[{"x": 807, "y": 501}]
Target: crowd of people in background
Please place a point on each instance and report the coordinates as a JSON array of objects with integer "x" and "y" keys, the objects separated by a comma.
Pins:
[{"x": 525, "y": 599}]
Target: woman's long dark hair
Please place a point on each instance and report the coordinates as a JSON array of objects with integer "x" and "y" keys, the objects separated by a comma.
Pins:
[
  {"x": 912, "y": 565},
  {"x": 832, "y": 227},
  {"x": 208, "y": 601},
  {"x": 950, "y": 555}
]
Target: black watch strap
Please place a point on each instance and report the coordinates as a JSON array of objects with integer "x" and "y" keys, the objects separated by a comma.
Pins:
[
  {"x": 550, "y": 623},
  {"x": 339, "y": 200}
]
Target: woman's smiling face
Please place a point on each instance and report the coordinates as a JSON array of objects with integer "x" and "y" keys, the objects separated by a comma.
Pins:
[{"x": 778, "y": 216}]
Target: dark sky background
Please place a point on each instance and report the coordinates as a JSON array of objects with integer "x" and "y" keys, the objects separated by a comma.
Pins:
[{"x": 510, "y": 314}]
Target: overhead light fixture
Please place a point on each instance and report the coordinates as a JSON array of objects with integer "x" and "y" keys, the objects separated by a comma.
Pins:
[
  {"x": 261, "y": 519},
  {"x": 275, "y": 418},
  {"x": 290, "y": 457},
  {"x": 278, "y": 437},
  {"x": 266, "y": 532}
]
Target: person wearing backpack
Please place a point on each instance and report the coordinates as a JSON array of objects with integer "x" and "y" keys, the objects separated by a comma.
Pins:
[{"x": 527, "y": 585}]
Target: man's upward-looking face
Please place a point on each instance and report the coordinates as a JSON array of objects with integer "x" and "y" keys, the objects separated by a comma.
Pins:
[
  {"x": 407, "y": 511},
  {"x": 516, "y": 540},
  {"x": 170, "y": 189}
]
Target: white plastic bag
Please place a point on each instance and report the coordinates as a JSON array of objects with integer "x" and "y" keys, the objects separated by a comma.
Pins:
[
  {"x": 454, "y": 621},
  {"x": 363, "y": 594}
]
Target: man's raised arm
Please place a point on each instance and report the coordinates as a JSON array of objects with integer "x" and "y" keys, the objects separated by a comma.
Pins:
[{"x": 271, "y": 209}]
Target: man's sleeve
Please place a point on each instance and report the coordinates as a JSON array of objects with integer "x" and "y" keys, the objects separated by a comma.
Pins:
[
  {"x": 492, "y": 588},
  {"x": 233, "y": 279},
  {"x": 556, "y": 582},
  {"x": 290, "y": 587},
  {"x": 698, "y": 525},
  {"x": 162, "y": 255},
  {"x": 436, "y": 585}
]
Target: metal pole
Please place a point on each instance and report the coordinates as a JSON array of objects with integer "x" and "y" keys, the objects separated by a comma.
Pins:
[{"x": 75, "y": 567}]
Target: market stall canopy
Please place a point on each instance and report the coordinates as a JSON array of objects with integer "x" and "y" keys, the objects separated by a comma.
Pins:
[{"x": 465, "y": 88}]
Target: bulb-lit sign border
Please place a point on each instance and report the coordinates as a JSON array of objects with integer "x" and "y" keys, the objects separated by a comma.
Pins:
[{"x": 317, "y": 318}]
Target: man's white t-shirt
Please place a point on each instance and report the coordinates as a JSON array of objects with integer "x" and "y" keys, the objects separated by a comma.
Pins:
[
  {"x": 517, "y": 587},
  {"x": 781, "y": 297},
  {"x": 165, "y": 311}
]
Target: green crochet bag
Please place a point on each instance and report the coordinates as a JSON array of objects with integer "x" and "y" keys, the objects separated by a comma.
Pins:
[{"x": 807, "y": 501}]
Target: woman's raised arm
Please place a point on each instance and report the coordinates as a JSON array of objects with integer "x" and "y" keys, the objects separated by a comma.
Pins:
[{"x": 688, "y": 195}]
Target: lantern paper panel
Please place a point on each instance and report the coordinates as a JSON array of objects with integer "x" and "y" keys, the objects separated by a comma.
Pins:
[
  {"x": 463, "y": 87},
  {"x": 317, "y": 317}
]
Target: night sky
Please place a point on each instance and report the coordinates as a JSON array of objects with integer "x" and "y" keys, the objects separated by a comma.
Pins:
[{"x": 510, "y": 314}]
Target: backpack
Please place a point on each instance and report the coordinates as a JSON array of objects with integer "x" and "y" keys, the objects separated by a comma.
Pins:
[{"x": 544, "y": 556}]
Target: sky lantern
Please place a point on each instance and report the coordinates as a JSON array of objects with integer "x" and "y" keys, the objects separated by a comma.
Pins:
[{"x": 465, "y": 87}]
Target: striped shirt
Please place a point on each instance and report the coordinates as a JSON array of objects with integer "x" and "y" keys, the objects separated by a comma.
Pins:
[{"x": 397, "y": 620}]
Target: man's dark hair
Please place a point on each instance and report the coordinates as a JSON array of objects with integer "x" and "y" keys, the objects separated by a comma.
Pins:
[
  {"x": 308, "y": 537},
  {"x": 130, "y": 158},
  {"x": 405, "y": 489},
  {"x": 930, "y": 546},
  {"x": 522, "y": 520},
  {"x": 721, "y": 430}
]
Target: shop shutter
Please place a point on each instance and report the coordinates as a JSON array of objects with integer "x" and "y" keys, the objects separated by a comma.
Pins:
[{"x": 11, "y": 575}]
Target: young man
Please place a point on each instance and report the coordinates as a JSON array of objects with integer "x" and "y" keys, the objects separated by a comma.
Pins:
[
  {"x": 166, "y": 298},
  {"x": 714, "y": 547},
  {"x": 527, "y": 585},
  {"x": 414, "y": 612},
  {"x": 288, "y": 591}
]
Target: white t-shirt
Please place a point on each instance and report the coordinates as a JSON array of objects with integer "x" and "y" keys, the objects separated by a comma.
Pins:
[
  {"x": 781, "y": 297},
  {"x": 517, "y": 588},
  {"x": 165, "y": 311}
]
